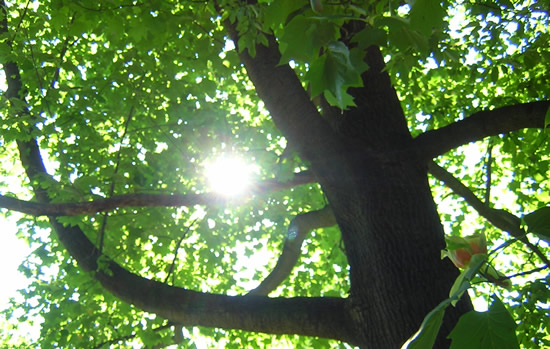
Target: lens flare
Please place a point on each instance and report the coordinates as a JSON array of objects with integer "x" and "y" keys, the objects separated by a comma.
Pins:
[{"x": 228, "y": 176}]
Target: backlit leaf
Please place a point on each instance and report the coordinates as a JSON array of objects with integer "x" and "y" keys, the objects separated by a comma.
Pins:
[
  {"x": 427, "y": 15},
  {"x": 493, "y": 329}
]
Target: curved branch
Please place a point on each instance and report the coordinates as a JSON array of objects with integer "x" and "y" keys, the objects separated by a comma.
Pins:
[
  {"x": 298, "y": 229},
  {"x": 480, "y": 125},
  {"x": 323, "y": 317},
  {"x": 501, "y": 219},
  {"x": 140, "y": 200}
]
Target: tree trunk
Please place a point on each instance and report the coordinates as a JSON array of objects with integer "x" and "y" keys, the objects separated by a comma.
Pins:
[
  {"x": 393, "y": 239},
  {"x": 376, "y": 183}
]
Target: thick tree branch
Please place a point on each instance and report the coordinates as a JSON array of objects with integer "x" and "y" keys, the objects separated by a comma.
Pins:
[
  {"x": 501, "y": 219},
  {"x": 480, "y": 125},
  {"x": 298, "y": 230},
  {"x": 323, "y": 317},
  {"x": 378, "y": 120},
  {"x": 289, "y": 105},
  {"x": 141, "y": 200},
  {"x": 102, "y": 205}
]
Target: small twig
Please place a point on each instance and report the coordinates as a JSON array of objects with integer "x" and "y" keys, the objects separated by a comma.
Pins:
[
  {"x": 503, "y": 245},
  {"x": 536, "y": 250},
  {"x": 488, "y": 170},
  {"x": 536, "y": 270},
  {"x": 20, "y": 22},
  {"x": 101, "y": 236},
  {"x": 178, "y": 245},
  {"x": 130, "y": 336}
]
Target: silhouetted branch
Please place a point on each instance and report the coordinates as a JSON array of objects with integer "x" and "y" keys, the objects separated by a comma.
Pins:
[
  {"x": 298, "y": 229},
  {"x": 501, "y": 219},
  {"x": 141, "y": 200},
  {"x": 480, "y": 125},
  {"x": 178, "y": 244},
  {"x": 129, "y": 337},
  {"x": 525, "y": 273}
]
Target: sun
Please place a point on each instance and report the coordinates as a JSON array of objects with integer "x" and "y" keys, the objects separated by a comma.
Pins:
[{"x": 228, "y": 175}]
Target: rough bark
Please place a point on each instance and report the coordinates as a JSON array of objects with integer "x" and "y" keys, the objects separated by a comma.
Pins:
[{"x": 393, "y": 239}]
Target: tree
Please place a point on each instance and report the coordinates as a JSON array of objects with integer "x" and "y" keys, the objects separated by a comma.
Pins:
[{"x": 357, "y": 114}]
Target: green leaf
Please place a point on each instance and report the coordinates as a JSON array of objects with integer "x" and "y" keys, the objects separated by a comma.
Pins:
[
  {"x": 304, "y": 37},
  {"x": 538, "y": 223},
  {"x": 278, "y": 11},
  {"x": 426, "y": 15},
  {"x": 347, "y": 99},
  {"x": 455, "y": 242},
  {"x": 493, "y": 329},
  {"x": 5, "y": 52},
  {"x": 426, "y": 335},
  {"x": 335, "y": 71},
  {"x": 547, "y": 118},
  {"x": 370, "y": 36},
  {"x": 395, "y": 26},
  {"x": 150, "y": 338}
]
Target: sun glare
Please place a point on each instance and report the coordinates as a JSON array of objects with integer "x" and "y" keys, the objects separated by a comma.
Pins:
[{"x": 229, "y": 176}]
